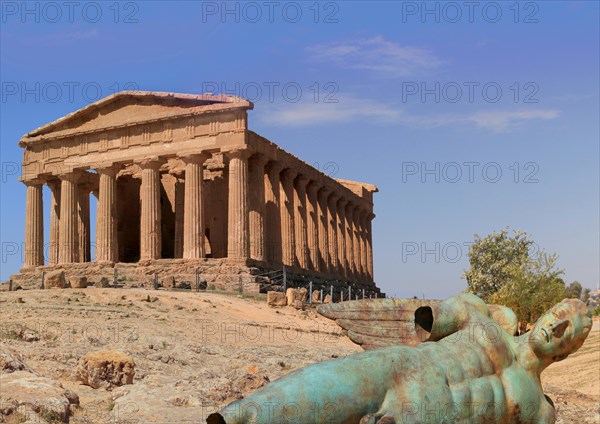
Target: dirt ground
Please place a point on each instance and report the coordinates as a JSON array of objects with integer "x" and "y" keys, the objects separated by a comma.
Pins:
[{"x": 195, "y": 352}]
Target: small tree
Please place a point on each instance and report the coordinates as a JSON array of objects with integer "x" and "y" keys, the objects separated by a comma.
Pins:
[
  {"x": 573, "y": 290},
  {"x": 493, "y": 261},
  {"x": 534, "y": 288},
  {"x": 585, "y": 296},
  {"x": 503, "y": 270}
]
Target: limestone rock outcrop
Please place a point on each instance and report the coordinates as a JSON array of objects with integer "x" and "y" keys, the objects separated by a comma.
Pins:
[
  {"x": 11, "y": 361},
  {"x": 27, "y": 397},
  {"x": 105, "y": 369}
]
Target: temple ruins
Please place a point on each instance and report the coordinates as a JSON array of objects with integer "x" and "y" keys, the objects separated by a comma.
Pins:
[{"x": 183, "y": 186}]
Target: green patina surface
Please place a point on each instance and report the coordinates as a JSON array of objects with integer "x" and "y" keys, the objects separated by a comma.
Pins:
[{"x": 471, "y": 369}]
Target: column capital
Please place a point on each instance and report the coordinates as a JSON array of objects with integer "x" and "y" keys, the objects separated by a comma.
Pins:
[
  {"x": 312, "y": 188},
  {"x": 361, "y": 213},
  {"x": 238, "y": 152},
  {"x": 150, "y": 163},
  {"x": 110, "y": 170},
  {"x": 301, "y": 181},
  {"x": 288, "y": 174},
  {"x": 196, "y": 158},
  {"x": 274, "y": 166},
  {"x": 324, "y": 191},
  {"x": 259, "y": 159},
  {"x": 33, "y": 182},
  {"x": 71, "y": 176},
  {"x": 53, "y": 184},
  {"x": 342, "y": 202},
  {"x": 333, "y": 197}
]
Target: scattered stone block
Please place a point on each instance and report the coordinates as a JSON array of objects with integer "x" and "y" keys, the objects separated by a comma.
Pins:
[
  {"x": 105, "y": 369},
  {"x": 327, "y": 298},
  {"x": 55, "y": 280},
  {"x": 78, "y": 282},
  {"x": 316, "y": 296},
  {"x": 275, "y": 298},
  {"x": 103, "y": 283},
  {"x": 295, "y": 295}
]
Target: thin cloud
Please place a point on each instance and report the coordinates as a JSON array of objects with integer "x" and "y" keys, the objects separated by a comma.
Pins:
[
  {"x": 347, "y": 109},
  {"x": 375, "y": 54},
  {"x": 504, "y": 120},
  {"x": 353, "y": 109}
]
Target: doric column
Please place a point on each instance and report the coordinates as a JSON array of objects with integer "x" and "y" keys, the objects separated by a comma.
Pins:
[
  {"x": 68, "y": 251},
  {"x": 312, "y": 225},
  {"x": 54, "y": 220},
  {"x": 370, "y": 246},
  {"x": 237, "y": 215},
  {"x": 288, "y": 254},
  {"x": 300, "y": 218},
  {"x": 363, "y": 245},
  {"x": 150, "y": 219},
  {"x": 273, "y": 220},
  {"x": 322, "y": 196},
  {"x": 357, "y": 244},
  {"x": 332, "y": 228},
  {"x": 257, "y": 207},
  {"x": 106, "y": 216},
  {"x": 350, "y": 240},
  {"x": 193, "y": 214},
  {"x": 341, "y": 236},
  {"x": 179, "y": 207},
  {"x": 83, "y": 222},
  {"x": 34, "y": 224}
]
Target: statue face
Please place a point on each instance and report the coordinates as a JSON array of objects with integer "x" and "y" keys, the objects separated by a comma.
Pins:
[{"x": 562, "y": 330}]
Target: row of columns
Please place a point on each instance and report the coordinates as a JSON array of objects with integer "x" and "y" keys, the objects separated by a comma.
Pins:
[
  {"x": 298, "y": 222},
  {"x": 274, "y": 215}
]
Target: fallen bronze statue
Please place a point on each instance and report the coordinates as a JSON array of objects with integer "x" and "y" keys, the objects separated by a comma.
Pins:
[{"x": 469, "y": 368}]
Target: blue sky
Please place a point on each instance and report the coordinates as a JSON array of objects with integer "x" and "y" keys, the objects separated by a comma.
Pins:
[{"x": 468, "y": 120}]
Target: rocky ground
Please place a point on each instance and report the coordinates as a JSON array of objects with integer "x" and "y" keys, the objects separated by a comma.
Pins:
[{"x": 193, "y": 353}]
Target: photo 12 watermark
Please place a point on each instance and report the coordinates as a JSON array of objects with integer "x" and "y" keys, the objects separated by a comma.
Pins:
[
  {"x": 469, "y": 172},
  {"x": 63, "y": 91},
  {"x": 253, "y": 12},
  {"x": 274, "y": 91},
  {"x": 469, "y": 92},
  {"x": 69, "y": 12},
  {"x": 453, "y": 12},
  {"x": 442, "y": 251}
]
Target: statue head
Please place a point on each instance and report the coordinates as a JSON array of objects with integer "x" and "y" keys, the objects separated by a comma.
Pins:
[{"x": 561, "y": 331}]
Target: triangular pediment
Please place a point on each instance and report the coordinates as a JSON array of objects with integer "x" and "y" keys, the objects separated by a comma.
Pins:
[{"x": 130, "y": 108}]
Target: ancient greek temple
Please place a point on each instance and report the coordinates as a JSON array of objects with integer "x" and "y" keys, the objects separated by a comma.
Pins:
[{"x": 180, "y": 183}]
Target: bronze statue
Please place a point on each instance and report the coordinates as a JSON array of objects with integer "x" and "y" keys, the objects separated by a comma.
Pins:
[{"x": 470, "y": 369}]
